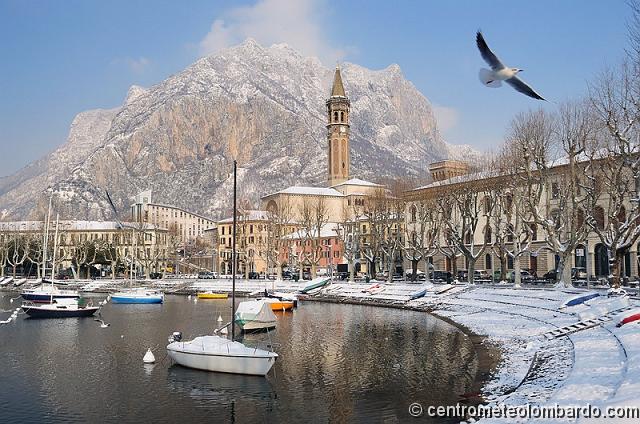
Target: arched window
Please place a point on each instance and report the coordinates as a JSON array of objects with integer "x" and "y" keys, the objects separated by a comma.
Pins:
[
  {"x": 580, "y": 217},
  {"x": 335, "y": 116},
  {"x": 508, "y": 202},
  {"x": 487, "y": 261},
  {"x": 555, "y": 218},
  {"x": 598, "y": 216},
  {"x": 510, "y": 233},
  {"x": 341, "y": 116},
  {"x": 467, "y": 237},
  {"x": 414, "y": 211},
  {"x": 622, "y": 214},
  {"x": 487, "y": 204}
]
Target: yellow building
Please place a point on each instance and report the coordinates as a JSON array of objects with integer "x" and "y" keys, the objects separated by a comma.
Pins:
[{"x": 251, "y": 237}]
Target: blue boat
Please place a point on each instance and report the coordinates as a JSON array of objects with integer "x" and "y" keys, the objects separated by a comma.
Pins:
[
  {"x": 577, "y": 300},
  {"x": 140, "y": 295},
  {"x": 417, "y": 294}
]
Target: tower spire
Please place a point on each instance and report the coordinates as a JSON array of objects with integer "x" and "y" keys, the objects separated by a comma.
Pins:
[{"x": 337, "y": 90}]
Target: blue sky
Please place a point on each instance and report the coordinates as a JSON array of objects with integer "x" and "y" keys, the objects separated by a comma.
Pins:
[{"x": 62, "y": 57}]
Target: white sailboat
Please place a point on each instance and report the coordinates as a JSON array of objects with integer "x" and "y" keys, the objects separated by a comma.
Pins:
[
  {"x": 58, "y": 307},
  {"x": 219, "y": 354}
]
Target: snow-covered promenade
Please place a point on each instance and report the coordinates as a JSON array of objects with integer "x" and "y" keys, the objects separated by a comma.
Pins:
[{"x": 550, "y": 354}]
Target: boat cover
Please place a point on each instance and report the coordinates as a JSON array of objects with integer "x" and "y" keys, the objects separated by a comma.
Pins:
[{"x": 255, "y": 310}]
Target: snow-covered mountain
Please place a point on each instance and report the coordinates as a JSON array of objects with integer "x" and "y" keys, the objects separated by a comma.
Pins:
[{"x": 264, "y": 106}]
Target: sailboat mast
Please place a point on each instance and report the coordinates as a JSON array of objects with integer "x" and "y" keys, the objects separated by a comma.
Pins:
[
  {"x": 55, "y": 249},
  {"x": 233, "y": 255},
  {"x": 45, "y": 241}
]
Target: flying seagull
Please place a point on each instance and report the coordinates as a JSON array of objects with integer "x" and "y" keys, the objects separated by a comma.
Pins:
[{"x": 499, "y": 72}]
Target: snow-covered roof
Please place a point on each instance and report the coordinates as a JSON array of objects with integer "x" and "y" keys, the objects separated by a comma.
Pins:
[
  {"x": 249, "y": 215},
  {"x": 358, "y": 182},
  {"x": 312, "y": 191},
  {"x": 329, "y": 229},
  {"x": 72, "y": 225}
]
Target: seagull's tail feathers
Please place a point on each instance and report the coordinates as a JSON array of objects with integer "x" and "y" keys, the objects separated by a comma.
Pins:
[{"x": 487, "y": 78}]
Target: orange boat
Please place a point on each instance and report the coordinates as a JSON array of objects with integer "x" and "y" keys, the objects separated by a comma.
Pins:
[{"x": 279, "y": 304}]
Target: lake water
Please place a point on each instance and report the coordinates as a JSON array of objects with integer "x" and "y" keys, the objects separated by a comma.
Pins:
[{"x": 338, "y": 363}]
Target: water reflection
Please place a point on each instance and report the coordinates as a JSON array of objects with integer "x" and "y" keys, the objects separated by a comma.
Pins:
[{"x": 336, "y": 363}]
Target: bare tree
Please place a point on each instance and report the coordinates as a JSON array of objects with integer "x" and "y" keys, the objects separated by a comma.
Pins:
[
  {"x": 421, "y": 234},
  {"x": 374, "y": 225},
  {"x": 314, "y": 215},
  {"x": 615, "y": 159},
  {"x": 552, "y": 148},
  {"x": 348, "y": 231},
  {"x": 275, "y": 243}
]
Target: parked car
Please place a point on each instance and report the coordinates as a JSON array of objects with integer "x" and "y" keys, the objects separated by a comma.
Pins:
[
  {"x": 342, "y": 276},
  {"x": 525, "y": 276},
  {"x": 442, "y": 276},
  {"x": 155, "y": 275},
  {"x": 253, "y": 275},
  {"x": 578, "y": 273},
  {"x": 551, "y": 276},
  {"x": 205, "y": 275}
]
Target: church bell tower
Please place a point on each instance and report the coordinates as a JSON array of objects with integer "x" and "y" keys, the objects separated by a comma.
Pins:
[{"x": 338, "y": 107}]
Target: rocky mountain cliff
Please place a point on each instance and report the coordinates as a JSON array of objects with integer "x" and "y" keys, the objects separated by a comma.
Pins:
[{"x": 263, "y": 106}]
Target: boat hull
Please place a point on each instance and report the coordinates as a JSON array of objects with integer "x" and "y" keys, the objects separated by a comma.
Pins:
[
  {"x": 222, "y": 363},
  {"x": 213, "y": 295},
  {"x": 281, "y": 306},
  {"x": 35, "y": 312},
  {"x": 132, "y": 299},
  {"x": 255, "y": 326}
]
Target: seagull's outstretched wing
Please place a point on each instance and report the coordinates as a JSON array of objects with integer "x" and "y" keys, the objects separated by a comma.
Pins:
[
  {"x": 487, "y": 54},
  {"x": 522, "y": 87}
]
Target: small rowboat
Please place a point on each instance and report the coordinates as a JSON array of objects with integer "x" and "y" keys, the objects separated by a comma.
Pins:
[
  {"x": 633, "y": 316},
  {"x": 279, "y": 304},
  {"x": 210, "y": 295}
]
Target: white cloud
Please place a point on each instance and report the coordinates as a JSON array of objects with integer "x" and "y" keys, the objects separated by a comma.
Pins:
[
  {"x": 137, "y": 66},
  {"x": 295, "y": 22},
  {"x": 447, "y": 117}
]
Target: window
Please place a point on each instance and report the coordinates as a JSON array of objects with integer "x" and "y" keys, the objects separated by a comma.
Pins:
[
  {"x": 487, "y": 234},
  {"x": 555, "y": 190},
  {"x": 510, "y": 233},
  {"x": 598, "y": 216},
  {"x": 534, "y": 231},
  {"x": 487, "y": 261},
  {"x": 335, "y": 116},
  {"x": 341, "y": 116},
  {"x": 414, "y": 212}
]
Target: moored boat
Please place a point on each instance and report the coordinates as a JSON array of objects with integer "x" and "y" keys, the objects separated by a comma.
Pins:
[
  {"x": 219, "y": 354},
  {"x": 255, "y": 315},
  {"x": 279, "y": 304},
  {"x": 138, "y": 295},
  {"x": 211, "y": 295},
  {"x": 60, "y": 308},
  {"x": 315, "y": 283},
  {"x": 45, "y": 292}
]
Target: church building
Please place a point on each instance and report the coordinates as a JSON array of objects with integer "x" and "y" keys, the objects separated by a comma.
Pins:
[{"x": 342, "y": 192}]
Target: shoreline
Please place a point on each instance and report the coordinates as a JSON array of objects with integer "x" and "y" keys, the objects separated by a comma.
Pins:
[{"x": 488, "y": 355}]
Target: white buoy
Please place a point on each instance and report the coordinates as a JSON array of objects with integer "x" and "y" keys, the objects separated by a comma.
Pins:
[
  {"x": 224, "y": 331},
  {"x": 148, "y": 357},
  {"x": 195, "y": 300},
  {"x": 189, "y": 297},
  {"x": 219, "y": 318}
]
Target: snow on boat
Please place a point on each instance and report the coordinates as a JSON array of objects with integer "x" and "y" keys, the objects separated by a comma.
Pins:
[
  {"x": 45, "y": 292},
  {"x": 218, "y": 354},
  {"x": 18, "y": 283},
  {"x": 629, "y": 317},
  {"x": 211, "y": 295},
  {"x": 5, "y": 281},
  {"x": 316, "y": 283},
  {"x": 577, "y": 300},
  {"x": 138, "y": 295},
  {"x": 255, "y": 315},
  {"x": 60, "y": 308}
]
